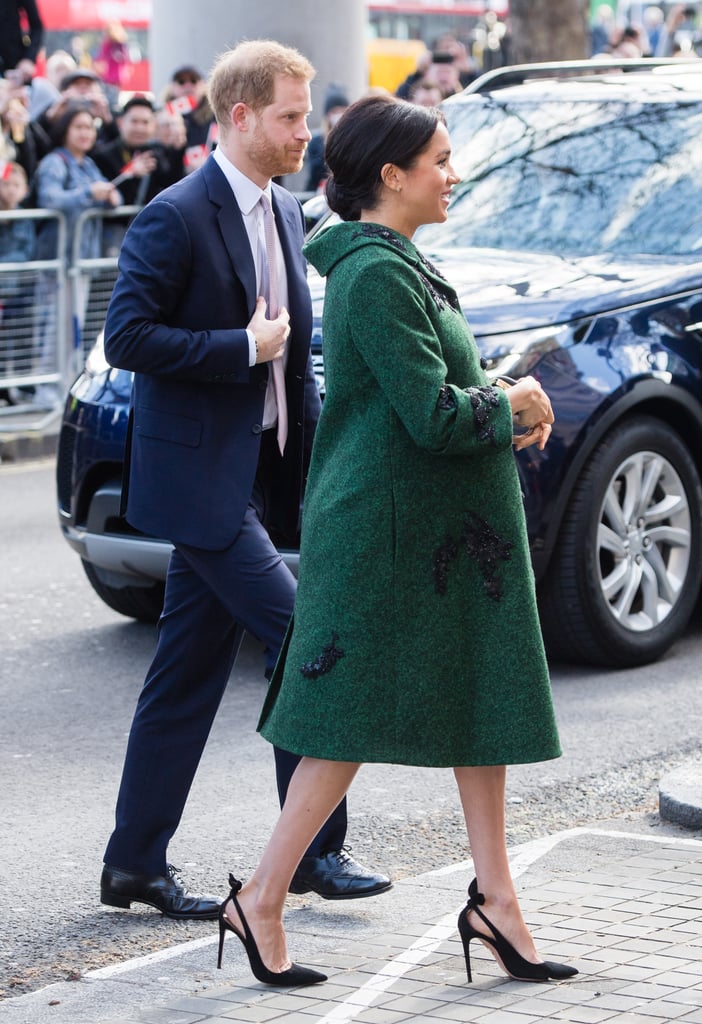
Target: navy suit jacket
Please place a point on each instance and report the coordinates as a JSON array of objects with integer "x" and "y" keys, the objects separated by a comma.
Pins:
[{"x": 185, "y": 292}]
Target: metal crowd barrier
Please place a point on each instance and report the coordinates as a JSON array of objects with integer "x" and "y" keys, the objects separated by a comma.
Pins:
[
  {"x": 33, "y": 350},
  {"x": 51, "y": 311},
  {"x": 92, "y": 280}
]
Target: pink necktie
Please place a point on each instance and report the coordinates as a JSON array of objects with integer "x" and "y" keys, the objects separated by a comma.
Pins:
[{"x": 277, "y": 366}]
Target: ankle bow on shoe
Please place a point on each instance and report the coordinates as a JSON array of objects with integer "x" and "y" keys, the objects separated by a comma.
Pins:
[
  {"x": 294, "y": 975},
  {"x": 512, "y": 962}
]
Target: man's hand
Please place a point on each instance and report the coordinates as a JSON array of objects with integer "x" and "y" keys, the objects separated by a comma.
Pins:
[
  {"x": 270, "y": 335},
  {"x": 143, "y": 163}
]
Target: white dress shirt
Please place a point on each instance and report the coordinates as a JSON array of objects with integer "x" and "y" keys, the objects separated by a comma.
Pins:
[{"x": 247, "y": 195}]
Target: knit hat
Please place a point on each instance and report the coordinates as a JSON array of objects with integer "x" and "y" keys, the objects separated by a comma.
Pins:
[{"x": 335, "y": 97}]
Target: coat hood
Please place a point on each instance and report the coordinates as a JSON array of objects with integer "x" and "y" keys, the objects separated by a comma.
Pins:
[{"x": 334, "y": 243}]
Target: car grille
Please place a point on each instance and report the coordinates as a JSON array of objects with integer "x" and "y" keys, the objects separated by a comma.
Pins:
[{"x": 64, "y": 466}]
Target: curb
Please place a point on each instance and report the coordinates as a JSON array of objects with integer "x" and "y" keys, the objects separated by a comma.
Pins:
[
  {"x": 680, "y": 796},
  {"x": 29, "y": 436},
  {"x": 22, "y": 447}
]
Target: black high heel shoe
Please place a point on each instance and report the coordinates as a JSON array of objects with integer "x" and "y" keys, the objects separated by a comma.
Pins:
[
  {"x": 513, "y": 962},
  {"x": 295, "y": 975}
]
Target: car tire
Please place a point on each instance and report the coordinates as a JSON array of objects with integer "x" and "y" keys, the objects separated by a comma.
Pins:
[
  {"x": 618, "y": 591},
  {"x": 142, "y": 603}
]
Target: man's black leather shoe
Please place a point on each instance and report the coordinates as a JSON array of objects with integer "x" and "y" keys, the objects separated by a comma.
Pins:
[
  {"x": 167, "y": 893},
  {"x": 337, "y": 876}
]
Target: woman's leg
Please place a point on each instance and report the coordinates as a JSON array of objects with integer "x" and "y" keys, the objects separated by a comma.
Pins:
[
  {"x": 315, "y": 789},
  {"x": 482, "y": 793}
]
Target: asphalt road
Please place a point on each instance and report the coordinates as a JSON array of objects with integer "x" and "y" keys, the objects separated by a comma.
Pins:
[{"x": 70, "y": 672}]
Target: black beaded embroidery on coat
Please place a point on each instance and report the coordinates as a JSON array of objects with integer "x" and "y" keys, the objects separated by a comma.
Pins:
[
  {"x": 447, "y": 399},
  {"x": 325, "y": 662},
  {"x": 482, "y": 544},
  {"x": 483, "y": 401},
  {"x": 378, "y": 231},
  {"x": 442, "y": 299}
]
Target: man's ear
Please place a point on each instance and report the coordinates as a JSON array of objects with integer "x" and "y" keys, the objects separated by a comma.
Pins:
[{"x": 240, "y": 117}]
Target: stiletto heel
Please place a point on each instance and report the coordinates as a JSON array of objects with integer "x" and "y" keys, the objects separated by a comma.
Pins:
[
  {"x": 295, "y": 975},
  {"x": 512, "y": 962}
]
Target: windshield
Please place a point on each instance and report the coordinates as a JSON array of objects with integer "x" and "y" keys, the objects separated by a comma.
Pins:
[{"x": 575, "y": 178}]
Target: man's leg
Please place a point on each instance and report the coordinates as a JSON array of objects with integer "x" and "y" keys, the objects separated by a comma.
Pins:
[
  {"x": 211, "y": 596},
  {"x": 196, "y": 648}
]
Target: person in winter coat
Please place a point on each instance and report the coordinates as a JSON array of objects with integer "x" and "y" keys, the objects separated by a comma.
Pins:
[{"x": 415, "y": 637}]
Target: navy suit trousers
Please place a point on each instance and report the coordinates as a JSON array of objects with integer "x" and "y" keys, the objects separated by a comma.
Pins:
[{"x": 212, "y": 597}]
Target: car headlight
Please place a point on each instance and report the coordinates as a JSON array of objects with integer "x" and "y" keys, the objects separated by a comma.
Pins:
[
  {"x": 96, "y": 363},
  {"x": 517, "y": 353}
]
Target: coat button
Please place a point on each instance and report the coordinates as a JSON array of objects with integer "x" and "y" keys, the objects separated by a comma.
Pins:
[{"x": 256, "y": 428}]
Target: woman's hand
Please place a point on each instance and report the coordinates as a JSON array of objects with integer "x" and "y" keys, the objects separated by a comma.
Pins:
[
  {"x": 535, "y": 435},
  {"x": 105, "y": 192},
  {"x": 531, "y": 407}
]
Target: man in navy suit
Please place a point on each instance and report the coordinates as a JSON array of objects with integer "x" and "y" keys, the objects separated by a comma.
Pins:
[{"x": 218, "y": 454}]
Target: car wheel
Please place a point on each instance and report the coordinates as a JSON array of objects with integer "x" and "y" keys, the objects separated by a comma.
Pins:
[
  {"x": 625, "y": 575},
  {"x": 142, "y": 603}
]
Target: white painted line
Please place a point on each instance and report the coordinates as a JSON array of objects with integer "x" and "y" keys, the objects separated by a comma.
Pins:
[
  {"x": 151, "y": 958},
  {"x": 403, "y": 962}
]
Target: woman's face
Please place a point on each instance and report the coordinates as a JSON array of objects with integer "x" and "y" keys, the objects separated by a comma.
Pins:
[
  {"x": 426, "y": 187},
  {"x": 81, "y": 134}
]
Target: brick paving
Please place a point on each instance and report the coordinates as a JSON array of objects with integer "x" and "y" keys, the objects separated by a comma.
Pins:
[{"x": 625, "y": 908}]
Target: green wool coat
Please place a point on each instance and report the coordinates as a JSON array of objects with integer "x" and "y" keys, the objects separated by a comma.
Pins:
[{"x": 415, "y": 638}]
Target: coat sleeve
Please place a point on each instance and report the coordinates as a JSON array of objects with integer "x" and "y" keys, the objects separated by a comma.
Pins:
[
  {"x": 56, "y": 191},
  {"x": 141, "y": 331},
  {"x": 397, "y": 338}
]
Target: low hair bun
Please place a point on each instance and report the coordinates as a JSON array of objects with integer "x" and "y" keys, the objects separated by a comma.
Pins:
[{"x": 340, "y": 201}]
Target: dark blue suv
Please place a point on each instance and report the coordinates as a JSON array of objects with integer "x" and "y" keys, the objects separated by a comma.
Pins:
[{"x": 575, "y": 241}]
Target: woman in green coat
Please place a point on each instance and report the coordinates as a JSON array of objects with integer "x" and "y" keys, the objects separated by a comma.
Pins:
[{"x": 415, "y": 638}]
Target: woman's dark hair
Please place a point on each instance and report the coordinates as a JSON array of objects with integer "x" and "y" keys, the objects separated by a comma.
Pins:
[
  {"x": 372, "y": 132},
  {"x": 62, "y": 122}
]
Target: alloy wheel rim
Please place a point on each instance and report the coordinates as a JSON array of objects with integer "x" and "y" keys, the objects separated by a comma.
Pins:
[{"x": 643, "y": 541}]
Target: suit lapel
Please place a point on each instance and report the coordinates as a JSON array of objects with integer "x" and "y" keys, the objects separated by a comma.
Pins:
[{"x": 231, "y": 225}]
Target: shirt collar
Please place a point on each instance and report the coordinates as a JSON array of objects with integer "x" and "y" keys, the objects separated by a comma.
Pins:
[{"x": 246, "y": 192}]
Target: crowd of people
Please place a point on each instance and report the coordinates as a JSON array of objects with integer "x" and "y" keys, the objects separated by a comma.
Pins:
[
  {"x": 141, "y": 145},
  {"x": 674, "y": 34},
  {"x": 71, "y": 141}
]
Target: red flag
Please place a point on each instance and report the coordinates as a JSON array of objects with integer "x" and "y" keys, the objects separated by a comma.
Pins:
[
  {"x": 194, "y": 156},
  {"x": 182, "y": 105}
]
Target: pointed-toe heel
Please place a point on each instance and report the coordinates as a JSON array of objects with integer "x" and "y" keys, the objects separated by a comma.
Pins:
[
  {"x": 294, "y": 975},
  {"x": 512, "y": 962}
]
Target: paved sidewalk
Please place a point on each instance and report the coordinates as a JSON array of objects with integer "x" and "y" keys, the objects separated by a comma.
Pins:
[{"x": 625, "y": 908}]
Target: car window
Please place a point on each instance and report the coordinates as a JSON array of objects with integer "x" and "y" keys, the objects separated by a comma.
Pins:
[{"x": 575, "y": 177}]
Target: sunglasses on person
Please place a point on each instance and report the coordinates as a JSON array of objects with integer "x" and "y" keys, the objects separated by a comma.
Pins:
[{"x": 186, "y": 80}]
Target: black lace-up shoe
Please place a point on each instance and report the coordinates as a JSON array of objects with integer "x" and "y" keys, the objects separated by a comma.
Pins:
[
  {"x": 167, "y": 893},
  {"x": 337, "y": 876}
]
